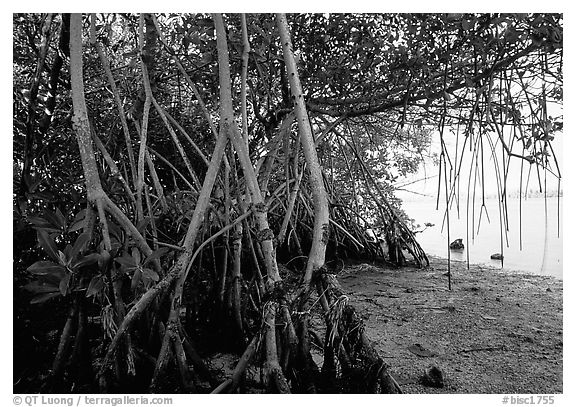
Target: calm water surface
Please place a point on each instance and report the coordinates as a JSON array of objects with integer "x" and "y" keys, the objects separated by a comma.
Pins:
[{"x": 540, "y": 233}]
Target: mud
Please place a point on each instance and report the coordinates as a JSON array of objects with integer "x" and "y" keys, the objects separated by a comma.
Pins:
[{"x": 496, "y": 331}]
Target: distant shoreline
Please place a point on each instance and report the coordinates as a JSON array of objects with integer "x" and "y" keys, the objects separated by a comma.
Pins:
[
  {"x": 488, "y": 267},
  {"x": 530, "y": 194},
  {"x": 512, "y": 195}
]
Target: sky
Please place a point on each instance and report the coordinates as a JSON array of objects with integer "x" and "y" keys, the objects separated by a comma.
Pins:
[{"x": 428, "y": 170}]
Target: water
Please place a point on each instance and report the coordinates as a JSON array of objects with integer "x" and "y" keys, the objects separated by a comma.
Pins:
[{"x": 541, "y": 243}]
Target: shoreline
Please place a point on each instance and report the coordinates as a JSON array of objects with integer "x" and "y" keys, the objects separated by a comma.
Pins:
[
  {"x": 489, "y": 267},
  {"x": 496, "y": 331}
]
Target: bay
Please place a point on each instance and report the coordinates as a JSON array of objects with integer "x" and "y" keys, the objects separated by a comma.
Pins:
[{"x": 533, "y": 245}]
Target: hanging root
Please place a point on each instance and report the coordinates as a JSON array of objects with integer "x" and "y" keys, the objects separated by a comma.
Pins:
[
  {"x": 230, "y": 385},
  {"x": 334, "y": 317},
  {"x": 363, "y": 371},
  {"x": 274, "y": 378},
  {"x": 64, "y": 347}
]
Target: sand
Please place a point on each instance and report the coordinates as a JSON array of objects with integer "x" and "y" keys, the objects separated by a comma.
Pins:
[{"x": 496, "y": 331}]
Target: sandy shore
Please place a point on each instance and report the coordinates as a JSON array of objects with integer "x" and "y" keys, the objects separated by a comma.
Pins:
[{"x": 495, "y": 332}]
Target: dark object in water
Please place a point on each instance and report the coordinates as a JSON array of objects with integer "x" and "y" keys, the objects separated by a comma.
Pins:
[
  {"x": 497, "y": 256},
  {"x": 457, "y": 245},
  {"x": 433, "y": 377}
]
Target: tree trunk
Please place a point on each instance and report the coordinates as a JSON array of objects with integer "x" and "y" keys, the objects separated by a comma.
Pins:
[{"x": 321, "y": 232}]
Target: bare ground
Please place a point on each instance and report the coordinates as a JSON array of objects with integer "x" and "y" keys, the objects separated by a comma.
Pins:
[{"x": 495, "y": 332}]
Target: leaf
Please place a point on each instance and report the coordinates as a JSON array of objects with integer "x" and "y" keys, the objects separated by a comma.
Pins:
[
  {"x": 130, "y": 54},
  {"x": 149, "y": 274},
  {"x": 38, "y": 221},
  {"x": 156, "y": 254},
  {"x": 48, "y": 244},
  {"x": 133, "y": 62},
  {"x": 115, "y": 230},
  {"x": 86, "y": 260},
  {"x": 64, "y": 284},
  {"x": 141, "y": 226},
  {"x": 512, "y": 35},
  {"x": 41, "y": 298},
  {"x": 136, "y": 278},
  {"x": 54, "y": 219},
  {"x": 126, "y": 261},
  {"x": 195, "y": 39},
  {"x": 48, "y": 229},
  {"x": 206, "y": 57},
  {"x": 32, "y": 183},
  {"x": 38, "y": 287},
  {"x": 205, "y": 22},
  {"x": 104, "y": 258},
  {"x": 76, "y": 226},
  {"x": 116, "y": 247},
  {"x": 96, "y": 285},
  {"x": 67, "y": 251},
  {"x": 80, "y": 244},
  {"x": 136, "y": 255},
  {"x": 62, "y": 257},
  {"x": 45, "y": 267},
  {"x": 61, "y": 218},
  {"x": 186, "y": 42},
  {"x": 80, "y": 215},
  {"x": 42, "y": 195}
]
